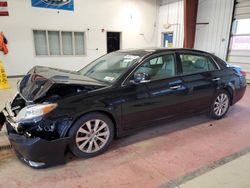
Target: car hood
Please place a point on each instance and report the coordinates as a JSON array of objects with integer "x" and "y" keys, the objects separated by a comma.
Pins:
[{"x": 43, "y": 82}]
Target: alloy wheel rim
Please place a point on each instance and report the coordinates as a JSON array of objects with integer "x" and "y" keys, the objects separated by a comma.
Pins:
[
  {"x": 92, "y": 136},
  {"x": 221, "y": 104}
]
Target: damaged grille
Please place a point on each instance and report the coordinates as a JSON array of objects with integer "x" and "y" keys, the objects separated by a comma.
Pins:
[{"x": 17, "y": 104}]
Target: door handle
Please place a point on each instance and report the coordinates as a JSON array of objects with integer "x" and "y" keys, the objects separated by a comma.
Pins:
[
  {"x": 175, "y": 87},
  {"x": 216, "y": 79}
]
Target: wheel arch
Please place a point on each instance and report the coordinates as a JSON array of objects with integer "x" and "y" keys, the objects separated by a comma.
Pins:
[
  {"x": 230, "y": 89},
  {"x": 108, "y": 114}
]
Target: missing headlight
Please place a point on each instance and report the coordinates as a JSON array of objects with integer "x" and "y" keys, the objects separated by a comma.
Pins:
[
  {"x": 49, "y": 127},
  {"x": 63, "y": 127}
]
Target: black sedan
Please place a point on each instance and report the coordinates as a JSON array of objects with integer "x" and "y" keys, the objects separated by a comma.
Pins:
[{"x": 56, "y": 111}]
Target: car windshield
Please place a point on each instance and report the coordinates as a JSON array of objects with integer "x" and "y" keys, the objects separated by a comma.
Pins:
[{"x": 110, "y": 67}]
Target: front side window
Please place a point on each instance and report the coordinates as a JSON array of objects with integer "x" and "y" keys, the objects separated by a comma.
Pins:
[
  {"x": 110, "y": 67},
  {"x": 196, "y": 63},
  {"x": 159, "y": 67}
]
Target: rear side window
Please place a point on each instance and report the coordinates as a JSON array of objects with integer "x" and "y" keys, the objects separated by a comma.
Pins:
[
  {"x": 195, "y": 63},
  {"x": 220, "y": 62}
]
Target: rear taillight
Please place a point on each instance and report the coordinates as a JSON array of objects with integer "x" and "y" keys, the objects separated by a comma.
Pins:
[{"x": 244, "y": 73}]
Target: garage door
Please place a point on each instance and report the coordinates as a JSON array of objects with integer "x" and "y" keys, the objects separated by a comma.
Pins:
[{"x": 239, "y": 51}]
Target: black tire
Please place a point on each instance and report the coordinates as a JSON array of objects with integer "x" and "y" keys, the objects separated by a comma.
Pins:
[
  {"x": 82, "y": 122},
  {"x": 214, "y": 112}
]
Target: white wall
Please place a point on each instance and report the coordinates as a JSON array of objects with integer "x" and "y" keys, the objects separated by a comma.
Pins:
[
  {"x": 214, "y": 37},
  {"x": 111, "y": 15},
  {"x": 171, "y": 12}
]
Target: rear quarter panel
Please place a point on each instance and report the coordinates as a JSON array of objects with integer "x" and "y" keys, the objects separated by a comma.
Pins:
[{"x": 234, "y": 83}]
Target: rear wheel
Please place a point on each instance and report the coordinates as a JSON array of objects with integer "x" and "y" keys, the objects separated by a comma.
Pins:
[
  {"x": 91, "y": 135},
  {"x": 220, "y": 105}
]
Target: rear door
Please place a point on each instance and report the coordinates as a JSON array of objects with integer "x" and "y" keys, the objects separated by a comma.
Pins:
[{"x": 201, "y": 77}]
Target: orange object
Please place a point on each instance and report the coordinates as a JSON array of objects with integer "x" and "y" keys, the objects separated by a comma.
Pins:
[
  {"x": 49, "y": 108},
  {"x": 3, "y": 45}
]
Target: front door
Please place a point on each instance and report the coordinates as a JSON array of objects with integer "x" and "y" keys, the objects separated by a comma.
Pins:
[{"x": 156, "y": 99}]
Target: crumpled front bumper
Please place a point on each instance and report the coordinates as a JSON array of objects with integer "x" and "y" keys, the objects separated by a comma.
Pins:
[{"x": 35, "y": 152}]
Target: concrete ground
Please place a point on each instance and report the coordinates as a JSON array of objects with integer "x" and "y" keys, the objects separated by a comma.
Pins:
[
  {"x": 235, "y": 174},
  {"x": 192, "y": 152}
]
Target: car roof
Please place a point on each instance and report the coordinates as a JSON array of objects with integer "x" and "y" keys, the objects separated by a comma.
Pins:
[{"x": 149, "y": 51}]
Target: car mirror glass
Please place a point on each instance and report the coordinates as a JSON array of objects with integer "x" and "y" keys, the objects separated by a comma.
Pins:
[{"x": 140, "y": 78}]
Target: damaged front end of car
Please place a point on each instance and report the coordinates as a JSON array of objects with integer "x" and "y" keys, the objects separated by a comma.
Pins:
[
  {"x": 37, "y": 140},
  {"x": 38, "y": 120}
]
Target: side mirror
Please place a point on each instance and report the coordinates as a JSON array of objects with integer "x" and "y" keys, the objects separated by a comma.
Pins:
[{"x": 141, "y": 78}]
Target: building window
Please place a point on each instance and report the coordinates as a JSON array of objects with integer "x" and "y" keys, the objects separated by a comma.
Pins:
[
  {"x": 54, "y": 42},
  {"x": 59, "y": 43},
  {"x": 240, "y": 39},
  {"x": 40, "y": 43},
  {"x": 67, "y": 43}
]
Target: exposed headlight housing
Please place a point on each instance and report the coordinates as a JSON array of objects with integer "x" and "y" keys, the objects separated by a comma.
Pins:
[{"x": 34, "y": 112}]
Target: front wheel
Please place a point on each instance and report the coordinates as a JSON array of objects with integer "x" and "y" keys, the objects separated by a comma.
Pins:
[
  {"x": 91, "y": 135},
  {"x": 220, "y": 105}
]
